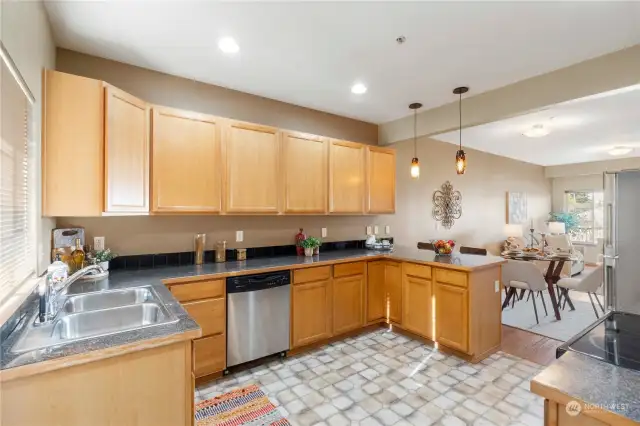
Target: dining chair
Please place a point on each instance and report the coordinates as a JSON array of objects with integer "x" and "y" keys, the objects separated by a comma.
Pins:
[
  {"x": 426, "y": 246},
  {"x": 473, "y": 250},
  {"x": 523, "y": 275},
  {"x": 589, "y": 284}
]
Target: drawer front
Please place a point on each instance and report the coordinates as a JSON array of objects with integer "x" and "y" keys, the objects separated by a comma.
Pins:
[
  {"x": 451, "y": 277},
  {"x": 415, "y": 270},
  {"x": 210, "y": 354},
  {"x": 347, "y": 269},
  {"x": 209, "y": 314},
  {"x": 198, "y": 290},
  {"x": 311, "y": 274}
]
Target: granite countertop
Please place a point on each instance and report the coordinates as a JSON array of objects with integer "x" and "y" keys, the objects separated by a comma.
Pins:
[
  {"x": 605, "y": 386},
  {"x": 156, "y": 277}
]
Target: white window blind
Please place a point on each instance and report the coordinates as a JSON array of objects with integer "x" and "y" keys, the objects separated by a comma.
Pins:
[{"x": 17, "y": 260}]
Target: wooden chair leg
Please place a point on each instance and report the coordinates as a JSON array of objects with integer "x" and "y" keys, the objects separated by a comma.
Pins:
[
  {"x": 593, "y": 305},
  {"x": 535, "y": 309},
  {"x": 544, "y": 305}
]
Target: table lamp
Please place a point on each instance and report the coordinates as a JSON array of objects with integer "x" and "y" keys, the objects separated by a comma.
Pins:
[{"x": 556, "y": 228}]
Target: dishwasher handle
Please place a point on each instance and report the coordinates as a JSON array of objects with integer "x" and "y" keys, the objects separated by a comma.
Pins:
[{"x": 257, "y": 282}]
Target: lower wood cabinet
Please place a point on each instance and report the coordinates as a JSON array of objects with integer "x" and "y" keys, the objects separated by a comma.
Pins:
[
  {"x": 376, "y": 294},
  {"x": 209, "y": 314},
  {"x": 210, "y": 354},
  {"x": 311, "y": 312},
  {"x": 452, "y": 316},
  {"x": 348, "y": 303},
  {"x": 393, "y": 286},
  {"x": 417, "y": 304}
]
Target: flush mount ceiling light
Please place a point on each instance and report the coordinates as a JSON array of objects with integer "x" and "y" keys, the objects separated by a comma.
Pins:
[
  {"x": 461, "y": 158},
  {"x": 228, "y": 45},
  {"x": 620, "y": 150},
  {"x": 536, "y": 131},
  {"x": 415, "y": 164},
  {"x": 358, "y": 89}
]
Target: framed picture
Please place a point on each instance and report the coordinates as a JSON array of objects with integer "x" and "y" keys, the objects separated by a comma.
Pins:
[{"x": 516, "y": 207}]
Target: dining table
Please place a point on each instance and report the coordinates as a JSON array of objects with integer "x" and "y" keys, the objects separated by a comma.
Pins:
[{"x": 551, "y": 276}]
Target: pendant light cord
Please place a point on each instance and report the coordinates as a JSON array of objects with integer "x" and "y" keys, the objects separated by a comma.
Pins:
[
  {"x": 460, "y": 116},
  {"x": 415, "y": 133}
]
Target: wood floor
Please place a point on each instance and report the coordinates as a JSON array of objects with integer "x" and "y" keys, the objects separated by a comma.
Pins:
[{"x": 530, "y": 346}]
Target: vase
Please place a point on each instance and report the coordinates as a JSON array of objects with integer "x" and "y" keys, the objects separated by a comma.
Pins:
[
  {"x": 308, "y": 251},
  {"x": 104, "y": 265}
]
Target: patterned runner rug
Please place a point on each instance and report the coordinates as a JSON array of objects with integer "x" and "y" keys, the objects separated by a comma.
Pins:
[{"x": 247, "y": 406}]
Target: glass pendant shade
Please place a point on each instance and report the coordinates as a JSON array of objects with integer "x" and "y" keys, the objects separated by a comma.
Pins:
[
  {"x": 461, "y": 162},
  {"x": 415, "y": 168}
]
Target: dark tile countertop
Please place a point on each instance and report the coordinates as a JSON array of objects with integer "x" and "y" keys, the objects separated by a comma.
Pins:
[
  {"x": 604, "y": 386},
  {"x": 156, "y": 276}
]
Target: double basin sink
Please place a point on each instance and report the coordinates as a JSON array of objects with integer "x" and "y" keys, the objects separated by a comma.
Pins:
[{"x": 102, "y": 313}]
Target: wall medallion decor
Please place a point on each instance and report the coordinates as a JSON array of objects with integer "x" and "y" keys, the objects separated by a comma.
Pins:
[
  {"x": 447, "y": 205},
  {"x": 516, "y": 207}
]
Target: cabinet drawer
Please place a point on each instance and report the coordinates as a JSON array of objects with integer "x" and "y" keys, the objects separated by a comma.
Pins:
[
  {"x": 311, "y": 274},
  {"x": 451, "y": 277},
  {"x": 209, "y": 314},
  {"x": 210, "y": 354},
  {"x": 346, "y": 269},
  {"x": 416, "y": 270},
  {"x": 198, "y": 290}
]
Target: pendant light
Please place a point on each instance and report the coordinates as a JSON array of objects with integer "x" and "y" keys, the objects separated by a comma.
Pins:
[
  {"x": 461, "y": 159},
  {"x": 415, "y": 164}
]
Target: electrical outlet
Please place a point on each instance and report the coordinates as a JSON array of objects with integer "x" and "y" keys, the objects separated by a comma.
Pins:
[
  {"x": 387, "y": 230},
  {"x": 375, "y": 230},
  {"x": 98, "y": 243},
  {"x": 324, "y": 232},
  {"x": 368, "y": 230},
  {"x": 497, "y": 286},
  {"x": 239, "y": 236}
]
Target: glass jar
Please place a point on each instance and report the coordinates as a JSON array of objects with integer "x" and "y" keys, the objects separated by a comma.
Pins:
[{"x": 221, "y": 251}]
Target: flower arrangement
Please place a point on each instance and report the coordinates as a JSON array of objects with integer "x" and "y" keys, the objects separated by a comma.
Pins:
[
  {"x": 105, "y": 255},
  {"x": 444, "y": 247}
]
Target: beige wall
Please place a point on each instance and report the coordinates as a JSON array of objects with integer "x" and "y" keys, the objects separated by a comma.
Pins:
[
  {"x": 178, "y": 92},
  {"x": 26, "y": 34},
  {"x": 592, "y": 168},
  {"x": 483, "y": 187}
]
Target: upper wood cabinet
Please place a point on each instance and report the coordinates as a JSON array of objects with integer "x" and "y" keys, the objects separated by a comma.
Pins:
[
  {"x": 346, "y": 177},
  {"x": 381, "y": 180},
  {"x": 304, "y": 165},
  {"x": 126, "y": 152},
  {"x": 72, "y": 145},
  {"x": 187, "y": 161},
  {"x": 252, "y": 168}
]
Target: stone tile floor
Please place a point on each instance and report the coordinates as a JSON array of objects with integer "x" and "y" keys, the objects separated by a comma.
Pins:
[{"x": 384, "y": 378}]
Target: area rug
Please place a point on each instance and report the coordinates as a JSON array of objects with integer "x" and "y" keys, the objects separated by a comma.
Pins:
[{"x": 247, "y": 406}]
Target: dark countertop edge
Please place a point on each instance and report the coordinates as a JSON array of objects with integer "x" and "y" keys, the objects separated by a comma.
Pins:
[{"x": 574, "y": 369}]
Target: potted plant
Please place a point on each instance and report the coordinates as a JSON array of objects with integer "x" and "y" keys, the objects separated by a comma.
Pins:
[
  {"x": 309, "y": 244},
  {"x": 103, "y": 257},
  {"x": 317, "y": 243}
]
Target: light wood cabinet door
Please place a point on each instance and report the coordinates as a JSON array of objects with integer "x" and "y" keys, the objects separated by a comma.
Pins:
[
  {"x": 346, "y": 177},
  {"x": 376, "y": 291},
  {"x": 187, "y": 162},
  {"x": 452, "y": 316},
  {"x": 311, "y": 312},
  {"x": 252, "y": 183},
  {"x": 393, "y": 286},
  {"x": 210, "y": 354},
  {"x": 381, "y": 180},
  {"x": 304, "y": 167},
  {"x": 417, "y": 304},
  {"x": 348, "y": 303},
  {"x": 126, "y": 152},
  {"x": 72, "y": 145}
]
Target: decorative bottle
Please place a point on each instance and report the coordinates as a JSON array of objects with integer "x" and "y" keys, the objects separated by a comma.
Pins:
[{"x": 300, "y": 237}]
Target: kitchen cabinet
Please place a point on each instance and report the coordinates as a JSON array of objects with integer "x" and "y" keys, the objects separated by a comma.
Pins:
[
  {"x": 311, "y": 312},
  {"x": 348, "y": 297},
  {"x": 346, "y": 177},
  {"x": 126, "y": 152},
  {"x": 252, "y": 178},
  {"x": 452, "y": 316},
  {"x": 417, "y": 299},
  {"x": 72, "y": 145},
  {"x": 187, "y": 162},
  {"x": 393, "y": 287},
  {"x": 210, "y": 355},
  {"x": 376, "y": 292},
  {"x": 381, "y": 180},
  {"x": 304, "y": 168}
]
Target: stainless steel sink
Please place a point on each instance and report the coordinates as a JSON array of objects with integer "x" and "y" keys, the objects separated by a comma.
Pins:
[
  {"x": 107, "y": 321},
  {"x": 106, "y": 300}
]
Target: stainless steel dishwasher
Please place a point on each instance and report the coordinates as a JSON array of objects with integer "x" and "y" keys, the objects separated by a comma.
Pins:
[{"x": 258, "y": 312}]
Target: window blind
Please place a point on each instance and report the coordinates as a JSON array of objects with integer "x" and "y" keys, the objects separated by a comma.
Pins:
[{"x": 17, "y": 260}]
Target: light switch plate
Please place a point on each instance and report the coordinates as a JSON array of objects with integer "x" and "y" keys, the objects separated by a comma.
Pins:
[
  {"x": 368, "y": 230},
  {"x": 239, "y": 236},
  {"x": 98, "y": 243},
  {"x": 497, "y": 286},
  {"x": 387, "y": 230},
  {"x": 375, "y": 230},
  {"x": 324, "y": 232}
]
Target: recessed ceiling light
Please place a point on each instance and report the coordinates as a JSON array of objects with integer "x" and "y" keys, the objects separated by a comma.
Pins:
[
  {"x": 620, "y": 150},
  {"x": 228, "y": 45},
  {"x": 358, "y": 89},
  {"x": 536, "y": 131}
]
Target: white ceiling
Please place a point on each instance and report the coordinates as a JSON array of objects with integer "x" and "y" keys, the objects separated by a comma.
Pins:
[
  {"x": 310, "y": 53},
  {"x": 581, "y": 130}
]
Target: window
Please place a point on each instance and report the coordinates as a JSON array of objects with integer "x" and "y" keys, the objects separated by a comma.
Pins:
[
  {"x": 17, "y": 241},
  {"x": 589, "y": 206}
]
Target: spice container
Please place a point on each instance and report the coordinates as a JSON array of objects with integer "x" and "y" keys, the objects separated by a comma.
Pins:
[
  {"x": 241, "y": 254},
  {"x": 221, "y": 251},
  {"x": 200, "y": 242}
]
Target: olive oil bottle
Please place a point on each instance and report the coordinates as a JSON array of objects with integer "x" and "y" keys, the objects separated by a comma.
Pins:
[{"x": 77, "y": 255}]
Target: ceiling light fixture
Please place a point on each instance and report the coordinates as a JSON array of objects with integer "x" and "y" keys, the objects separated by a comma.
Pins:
[
  {"x": 461, "y": 159},
  {"x": 536, "y": 131},
  {"x": 358, "y": 89},
  {"x": 228, "y": 45},
  {"x": 620, "y": 150},
  {"x": 415, "y": 164}
]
